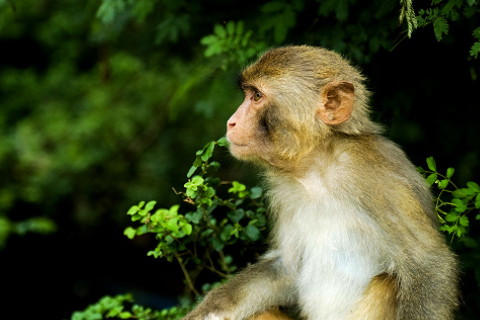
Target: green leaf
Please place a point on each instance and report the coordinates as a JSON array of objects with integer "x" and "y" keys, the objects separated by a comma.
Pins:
[
  {"x": 125, "y": 315},
  {"x": 460, "y": 206},
  {"x": 450, "y": 172},
  {"x": 474, "y": 186},
  {"x": 447, "y": 228},
  {"x": 464, "y": 221},
  {"x": 155, "y": 253},
  {"x": 256, "y": 192},
  {"x": 197, "y": 180},
  {"x": 477, "y": 202},
  {"x": 191, "y": 171},
  {"x": 194, "y": 217},
  {"x": 431, "y": 164},
  {"x": 208, "y": 151},
  {"x": 460, "y": 232},
  {"x": 222, "y": 142},
  {"x": 219, "y": 30},
  {"x": 218, "y": 244},
  {"x": 130, "y": 233},
  {"x": 207, "y": 233},
  {"x": 431, "y": 179},
  {"x": 463, "y": 193},
  {"x": 407, "y": 13},
  {"x": 150, "y": 206},
  {"x": 208, "y": 40},
  {"x": 252, "y": 232},
  {"x": 210, "y": 192},
  {"x": 134, "y": 209},
  {"x": 108, "y": 10},
  {"x": 440, "y": 27},
  {"x": 231, "y": 27},
  {"x": 214, "y": 164},
  {"x": 168, "y": 239},
  {"x": 191, "y": 193},
  {"x": 187, "y": 229},
  {"x": 272, "y": 6},
  {"x": 476, "y": 33},
  {"x": 442, "y": 184},
  {"x": 227, "y": 232},
  {"x": 236, "y": 215},
  {"x": 237, "y": 187},
  {"x": 475, "y": 49},
  {"x": 451, "y": 217}
]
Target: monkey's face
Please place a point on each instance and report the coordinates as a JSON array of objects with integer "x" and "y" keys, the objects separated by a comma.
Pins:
[
  {"x": 248, "y": 128},
  {"x": 272, "y": 125},
  {"x": 294, "y": 98}
]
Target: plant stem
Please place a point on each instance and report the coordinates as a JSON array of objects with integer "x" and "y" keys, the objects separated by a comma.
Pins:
[{"x": 186, "y": 275}]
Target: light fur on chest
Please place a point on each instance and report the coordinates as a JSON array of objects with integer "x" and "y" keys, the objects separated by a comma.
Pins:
[{"x": 327, "y": 243}]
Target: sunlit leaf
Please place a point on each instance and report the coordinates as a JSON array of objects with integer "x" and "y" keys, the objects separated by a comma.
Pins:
[{"x": 431, "y": 164}]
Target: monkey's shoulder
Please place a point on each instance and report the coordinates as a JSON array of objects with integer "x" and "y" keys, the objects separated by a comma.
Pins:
[{"x": 374, "y": 157}]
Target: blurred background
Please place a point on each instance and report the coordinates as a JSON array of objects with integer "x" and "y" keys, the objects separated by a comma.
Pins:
[{"x": 104, "y": 103}]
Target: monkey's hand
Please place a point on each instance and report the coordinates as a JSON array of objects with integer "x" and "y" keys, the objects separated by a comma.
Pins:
[
  {"x": 210, "y": 316},
  {"x": 205, "y": 312},
  {"x": 217, "y": 305},
  {"x": 257, "y": 288}
]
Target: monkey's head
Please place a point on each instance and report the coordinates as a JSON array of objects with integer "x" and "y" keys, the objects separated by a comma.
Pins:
[{"x": 295, "y": 98}]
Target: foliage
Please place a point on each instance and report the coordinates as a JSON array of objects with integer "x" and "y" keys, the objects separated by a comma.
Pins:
[
  {"x": 68, "y": 126},
  {"x": 40, "y": 225},
  {"x": 407, "y": 13},
  {"x": 207, "y": 235},
  {"x": 123, "y": 307},
  {"x": 279, "y": 18},
  {"x": 276, "y": 21},
  {"x": 453, "y": 205},
  {"x": 445, "y": 12},
  {"x": 233, "y": 42}
]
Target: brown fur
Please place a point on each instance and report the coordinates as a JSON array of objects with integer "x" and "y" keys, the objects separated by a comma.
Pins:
[
  {"x": 271, "y": 315},
  {"x": 379, "y": 300}
]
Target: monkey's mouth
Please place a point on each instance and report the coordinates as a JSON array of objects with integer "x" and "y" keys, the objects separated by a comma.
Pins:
[
  {"x": 238, "y": 144},
  {"x": 235, "y": 143},
  {"x": 239, "y": 150}
]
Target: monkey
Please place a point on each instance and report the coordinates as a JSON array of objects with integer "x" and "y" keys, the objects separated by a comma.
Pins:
[{"x": 354, "y": 233}]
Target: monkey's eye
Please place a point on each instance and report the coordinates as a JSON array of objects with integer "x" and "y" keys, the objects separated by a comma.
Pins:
[{"x": 257, "y": 95}]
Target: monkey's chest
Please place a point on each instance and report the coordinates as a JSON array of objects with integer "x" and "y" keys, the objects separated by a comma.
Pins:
[
  {"x": 329, "y": 249},
  {"x": 328, "y": 235}
]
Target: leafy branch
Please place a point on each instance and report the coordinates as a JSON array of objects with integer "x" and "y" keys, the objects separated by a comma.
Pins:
[
  {"x": 124, "y": 307},
  {"x": 453, "y": 205},
  {"x": 443, "y": 13},
  {"x": 219, "y": 216}
]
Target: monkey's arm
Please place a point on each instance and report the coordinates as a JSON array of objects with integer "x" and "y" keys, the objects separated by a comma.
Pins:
[
  {"x": 257, "y": 288},
  {"x": 424, "y": 267},
  {"x": 427, "y": 275}
]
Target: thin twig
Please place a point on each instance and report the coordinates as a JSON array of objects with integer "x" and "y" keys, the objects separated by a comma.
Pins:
[{"x": 186, "y": 275}]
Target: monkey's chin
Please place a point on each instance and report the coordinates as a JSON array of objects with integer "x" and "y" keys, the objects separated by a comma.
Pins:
[
  {"x": 242, "y": 152},
  {"x": 245, "y": 153},
  {"x": 239, "y": 151}
]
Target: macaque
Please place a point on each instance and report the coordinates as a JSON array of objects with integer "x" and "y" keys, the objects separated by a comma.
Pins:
[{"x": 354, "y": 234}]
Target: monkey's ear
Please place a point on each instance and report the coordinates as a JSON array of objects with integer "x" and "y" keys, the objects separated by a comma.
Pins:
[{"x": 337, "y": 102}]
